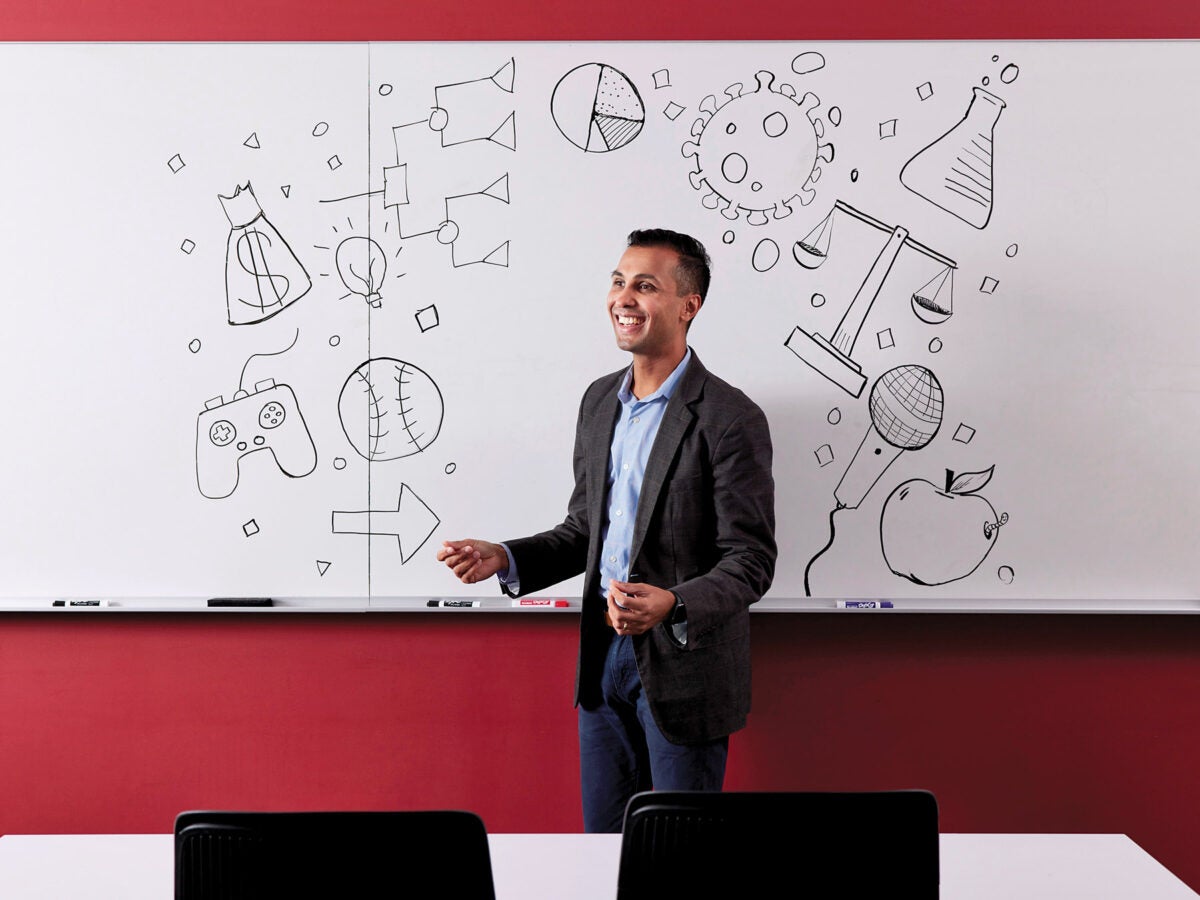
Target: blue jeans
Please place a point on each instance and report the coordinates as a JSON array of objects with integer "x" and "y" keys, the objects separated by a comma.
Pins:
[{"x": 622, "y": 752}]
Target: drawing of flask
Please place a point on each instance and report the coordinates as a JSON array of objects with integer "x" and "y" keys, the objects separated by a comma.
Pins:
[
  {"x": 954, "y": 173},
  {"x": 262, "y": 274}
]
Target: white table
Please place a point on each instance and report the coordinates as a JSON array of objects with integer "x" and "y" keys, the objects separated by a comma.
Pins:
[{"x": 584, "y": 867}]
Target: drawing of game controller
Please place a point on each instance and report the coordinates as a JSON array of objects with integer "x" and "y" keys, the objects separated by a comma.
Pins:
[{"x": 268, "y": 419}]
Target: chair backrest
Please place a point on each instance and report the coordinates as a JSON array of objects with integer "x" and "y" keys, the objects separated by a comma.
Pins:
[
  {"x": 697, "y": 845},
  {"x": 295, "y": 855}
]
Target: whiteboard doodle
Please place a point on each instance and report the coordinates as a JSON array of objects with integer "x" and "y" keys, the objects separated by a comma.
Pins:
[
  {"x": 933, "y": 535},
  {"x": 262, "y": 274},
  {"x": 269, "y": 419},
  {"x": 954, "y": 172},
  {"x": 362, "y": 266},
  {"x": 833, "y": 357},
  {"x": 477, "y": 110},
  {"x": 597, "y": 108},
  {"x": 390, "y": 409},
  {"x": 906, "y": 412},
  {"x": 411, "y": 523},
  {"x": 756, "y": 153},
  {"x": 906, "y": 405}
]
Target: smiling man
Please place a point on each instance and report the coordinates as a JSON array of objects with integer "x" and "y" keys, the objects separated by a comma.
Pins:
[{"x": 672, "y": 521}]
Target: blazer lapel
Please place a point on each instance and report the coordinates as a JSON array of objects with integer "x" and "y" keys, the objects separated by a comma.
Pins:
[{"x": 677, "y": 418}]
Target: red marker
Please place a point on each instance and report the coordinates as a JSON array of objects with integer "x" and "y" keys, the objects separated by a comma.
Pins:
[{"x": 554, "y": 604}]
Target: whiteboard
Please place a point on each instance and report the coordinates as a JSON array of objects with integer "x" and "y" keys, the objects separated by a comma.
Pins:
[{"x": 975, "y": 258}]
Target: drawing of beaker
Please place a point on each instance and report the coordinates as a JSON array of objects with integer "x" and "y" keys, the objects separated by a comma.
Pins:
[
  {"x": 954, "y": 173},
  {"x": 262, "y": 274}
]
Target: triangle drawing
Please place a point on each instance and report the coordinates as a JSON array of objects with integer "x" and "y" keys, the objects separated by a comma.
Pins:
[
  {"x": 498, "y": 257},
  {"x": 498, "y": 189},
  {"x": 505, "y": 76},
  {"x": 506, "y": 134}
]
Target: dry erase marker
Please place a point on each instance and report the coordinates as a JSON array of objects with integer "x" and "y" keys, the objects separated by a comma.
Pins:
[
  {"x": 632, "y": 578},
  {"x": 865, "y": 604},
  {"x": 81, "y": 604},
  {"x": 553, "y": 604},
  {"x": 455, "y": 604}
]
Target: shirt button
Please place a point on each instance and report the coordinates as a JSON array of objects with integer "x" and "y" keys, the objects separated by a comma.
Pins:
[
  {"x": 618, "y": 512},
  {"x": 636, "y": 419},
  {"x": 612, "y": 559},
  {"x": 626, "y": 466}
]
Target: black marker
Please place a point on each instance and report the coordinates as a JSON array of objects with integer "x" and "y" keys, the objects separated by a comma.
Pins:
[{"x": 241, "y": 601}]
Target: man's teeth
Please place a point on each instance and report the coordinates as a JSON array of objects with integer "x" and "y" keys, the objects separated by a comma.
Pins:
[{"x": 628, "y": 320}]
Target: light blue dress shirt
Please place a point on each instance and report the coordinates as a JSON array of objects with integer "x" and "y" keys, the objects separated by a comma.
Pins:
[{"x": 633, "y": 438}]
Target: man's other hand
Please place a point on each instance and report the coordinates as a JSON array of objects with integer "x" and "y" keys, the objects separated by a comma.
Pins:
[{"x": 635, "y": 608}]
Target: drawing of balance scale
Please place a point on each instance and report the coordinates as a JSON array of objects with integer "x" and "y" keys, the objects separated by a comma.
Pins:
[{"x": 833, "y": 356}]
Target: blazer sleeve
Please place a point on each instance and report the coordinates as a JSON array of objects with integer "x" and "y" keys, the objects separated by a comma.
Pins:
[
  {"x": 561, "y": 552},
  {"x": 743, "y": 498}
]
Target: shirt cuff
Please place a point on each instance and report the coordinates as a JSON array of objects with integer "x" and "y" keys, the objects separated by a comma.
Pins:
[{"x": 510, "y": 579}]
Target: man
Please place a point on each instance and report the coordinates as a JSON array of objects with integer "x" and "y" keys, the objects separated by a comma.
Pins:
[{"x": 672, "y": 521}]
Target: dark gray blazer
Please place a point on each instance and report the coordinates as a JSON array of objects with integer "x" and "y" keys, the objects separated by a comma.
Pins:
[{"x": 705, "y": 529}]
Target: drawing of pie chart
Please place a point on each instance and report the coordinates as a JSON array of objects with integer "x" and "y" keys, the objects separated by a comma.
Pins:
[{"x": 597, "y": 108}]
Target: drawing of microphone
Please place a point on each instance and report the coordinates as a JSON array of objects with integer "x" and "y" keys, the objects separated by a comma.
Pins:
[{"x": 906, "y": 412}]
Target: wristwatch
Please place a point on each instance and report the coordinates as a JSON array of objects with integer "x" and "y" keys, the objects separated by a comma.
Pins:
[{"x": 678, "y": 614}]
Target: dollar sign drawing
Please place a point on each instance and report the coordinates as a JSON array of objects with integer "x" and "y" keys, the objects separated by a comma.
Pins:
[{"x": 252, "y": 257}]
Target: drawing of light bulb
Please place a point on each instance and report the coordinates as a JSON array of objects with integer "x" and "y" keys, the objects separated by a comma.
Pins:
[
  {"x": 906, "y": 412},
  {"x": 361, "y": 266}
]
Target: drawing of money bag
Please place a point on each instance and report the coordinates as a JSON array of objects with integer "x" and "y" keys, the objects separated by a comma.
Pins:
[
  {"x": 262, "y": 274},
  {"x": 954, "y": 173}
]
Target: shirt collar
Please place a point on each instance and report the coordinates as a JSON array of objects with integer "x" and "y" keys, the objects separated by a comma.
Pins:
[{"x": 665, "y": 390}]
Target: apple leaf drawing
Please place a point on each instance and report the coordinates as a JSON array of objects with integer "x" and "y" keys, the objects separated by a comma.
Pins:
[{"x": 968, "y": 482}]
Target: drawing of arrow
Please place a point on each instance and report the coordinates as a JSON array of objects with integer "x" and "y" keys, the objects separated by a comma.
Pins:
[{"x": 411, "y": 523}]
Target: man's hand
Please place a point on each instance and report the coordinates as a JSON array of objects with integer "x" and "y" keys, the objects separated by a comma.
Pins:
[
  {"x": 473, "y": 560},
  {"x": 635, "y": 608}
]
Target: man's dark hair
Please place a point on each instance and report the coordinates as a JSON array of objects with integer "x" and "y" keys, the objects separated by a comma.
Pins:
[{"x": 694, "y": 270}]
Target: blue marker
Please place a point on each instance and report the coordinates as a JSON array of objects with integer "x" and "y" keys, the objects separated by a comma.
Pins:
[{"x": 865, "y": 604}]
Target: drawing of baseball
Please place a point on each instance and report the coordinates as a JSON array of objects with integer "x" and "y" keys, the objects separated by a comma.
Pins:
[{"x": 390, "y": 409}]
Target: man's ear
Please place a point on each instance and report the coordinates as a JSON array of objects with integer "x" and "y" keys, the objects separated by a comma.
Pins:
[{"x": 691, "y": 306}]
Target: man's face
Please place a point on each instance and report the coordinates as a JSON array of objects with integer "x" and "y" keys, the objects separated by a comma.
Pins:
[{"x": 648, "y": 316}]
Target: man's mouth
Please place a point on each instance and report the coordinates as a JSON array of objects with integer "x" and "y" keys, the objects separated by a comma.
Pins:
[{"x": 629, "y": 321}]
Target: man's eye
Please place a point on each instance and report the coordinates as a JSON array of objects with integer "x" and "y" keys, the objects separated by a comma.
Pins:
[{"x": 645, "y": 286}]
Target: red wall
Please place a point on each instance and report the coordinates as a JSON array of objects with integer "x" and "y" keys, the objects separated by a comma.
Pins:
[{"x": 115, "y": 722}]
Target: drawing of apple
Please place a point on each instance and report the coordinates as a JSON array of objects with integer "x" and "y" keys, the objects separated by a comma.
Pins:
[{"x": 933, "y": 536}]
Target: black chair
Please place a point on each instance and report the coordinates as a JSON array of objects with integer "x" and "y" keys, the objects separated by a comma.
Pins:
[
  {"x": 843, "y": 846},
  {"x": 331, "y": 856}
]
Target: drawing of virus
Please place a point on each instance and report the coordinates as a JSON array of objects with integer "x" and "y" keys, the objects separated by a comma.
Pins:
[{"x": 757, "y": 152}]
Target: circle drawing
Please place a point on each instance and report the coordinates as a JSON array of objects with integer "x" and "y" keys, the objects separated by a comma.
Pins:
[
  {"x": 906, "y": 406},
  {"x": 272, "y": 415},
  {"x": 390, "y": 409},
  {"x": 597, "y": 108}
]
